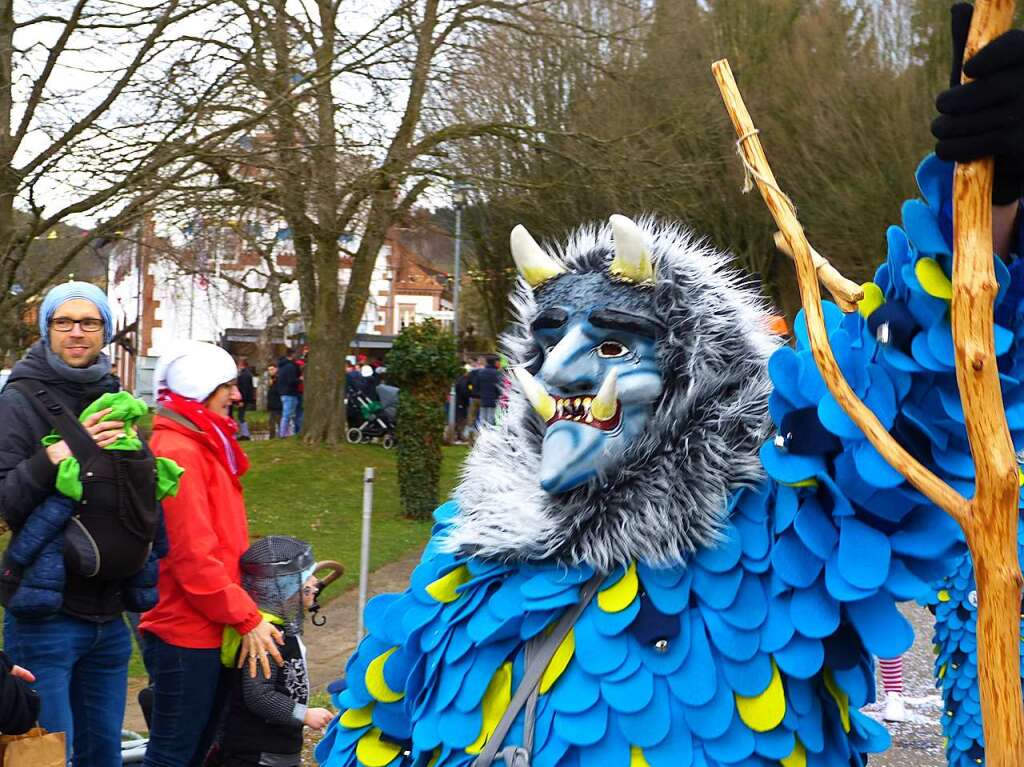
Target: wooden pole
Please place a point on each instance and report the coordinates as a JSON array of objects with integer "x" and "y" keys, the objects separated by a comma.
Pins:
[
  {"x": 989, "y": 520},
  {"x": 992, "y": 534}
]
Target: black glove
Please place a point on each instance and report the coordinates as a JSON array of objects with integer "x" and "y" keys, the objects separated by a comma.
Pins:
[{"x": 985, "y": 117}]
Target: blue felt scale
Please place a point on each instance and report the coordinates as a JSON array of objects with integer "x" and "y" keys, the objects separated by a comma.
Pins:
[{"x": 756, "y": 653}]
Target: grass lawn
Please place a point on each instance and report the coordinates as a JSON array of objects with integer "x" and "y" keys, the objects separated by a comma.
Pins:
[{"x": 316, "y": 494}]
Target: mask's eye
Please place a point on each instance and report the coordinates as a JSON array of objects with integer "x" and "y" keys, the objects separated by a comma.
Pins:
[{"x": 612, "y": 349}]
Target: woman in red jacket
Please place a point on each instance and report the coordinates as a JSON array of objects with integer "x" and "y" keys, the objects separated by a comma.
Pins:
[{"x": 200, "y": 581}]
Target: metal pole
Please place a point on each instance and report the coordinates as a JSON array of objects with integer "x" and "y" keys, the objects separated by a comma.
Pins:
[
  {"x": 364, "y": 549},
  {"x": 455, "y": 312}
]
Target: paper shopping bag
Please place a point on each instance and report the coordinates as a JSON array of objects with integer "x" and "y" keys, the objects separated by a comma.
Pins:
[{"x": 36, "y": 748}]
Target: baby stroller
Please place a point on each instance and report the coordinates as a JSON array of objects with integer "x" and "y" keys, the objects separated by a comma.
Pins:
[{"x": 371, "y": 419}]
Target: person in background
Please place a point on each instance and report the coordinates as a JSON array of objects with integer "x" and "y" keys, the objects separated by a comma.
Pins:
[
  {"x": 300, "y": 362},
  {"x": 273, "y": 402},
  {"x": 247, "y": 391},
  {"x": 461, "y": 405},
  {"x": 86, "y": 646},
  {"x": 200, "y": 580},
  {"x": 473, "y": 411},
  {"x": 892, "y": 682},
  {"x": 489, "y": 382},
  {"x": 288, "y": 376}
]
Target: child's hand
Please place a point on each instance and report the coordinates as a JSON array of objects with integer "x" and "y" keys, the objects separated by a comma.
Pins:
[{"x": 318, "y": 718}]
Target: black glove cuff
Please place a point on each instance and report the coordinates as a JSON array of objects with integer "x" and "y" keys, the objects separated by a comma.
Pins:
[{"x": 1007, "y": 188}]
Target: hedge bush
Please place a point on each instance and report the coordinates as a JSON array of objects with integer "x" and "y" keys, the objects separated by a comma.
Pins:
[{"x": 423, "y": 363}]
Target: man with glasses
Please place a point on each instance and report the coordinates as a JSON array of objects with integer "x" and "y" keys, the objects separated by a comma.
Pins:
[{"x": 79, "y": 655}]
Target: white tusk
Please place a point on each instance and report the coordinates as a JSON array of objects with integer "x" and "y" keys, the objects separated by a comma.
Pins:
[
  {"x": 606, "y": 401},
  {"x": 538, "y": 396},
  {"x": 632, "y": 262},
  {"x": 536, "y": 266}
]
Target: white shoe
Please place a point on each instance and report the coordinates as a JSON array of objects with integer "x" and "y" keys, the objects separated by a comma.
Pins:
[{"x": 895, "y": 708}]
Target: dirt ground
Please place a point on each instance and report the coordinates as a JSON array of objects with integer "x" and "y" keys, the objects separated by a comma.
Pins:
[{"x": 916, "y": 743}]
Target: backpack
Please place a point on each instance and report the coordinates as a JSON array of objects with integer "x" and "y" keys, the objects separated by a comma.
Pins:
[{"x": 111, "y": 533}]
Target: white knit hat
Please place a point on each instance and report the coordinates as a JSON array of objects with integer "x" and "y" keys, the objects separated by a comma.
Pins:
[{"x": 194, "y": 369}]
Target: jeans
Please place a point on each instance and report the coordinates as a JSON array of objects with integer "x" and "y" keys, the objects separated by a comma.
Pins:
[
  {"x": 81, "y": 673},
  {"x": 488, "y": 415},
  {"x": 188, "y": 696},
  {"x": 290, "y": 422}
]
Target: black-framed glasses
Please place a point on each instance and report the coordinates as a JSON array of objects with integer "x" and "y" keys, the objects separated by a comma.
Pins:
[{"x": 65, "y": 324}]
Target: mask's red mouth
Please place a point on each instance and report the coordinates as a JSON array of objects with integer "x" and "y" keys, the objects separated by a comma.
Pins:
[{"x": 578, "y": 409}]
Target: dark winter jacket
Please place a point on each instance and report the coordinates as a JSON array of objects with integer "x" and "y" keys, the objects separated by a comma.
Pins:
[
  {"x": 246, "y": 387},
  {"x": 19, "y": 704},
  {"x": 487, "y": 386},
  {"x": 288, "y": 375},
  {"x": 265, "y": 716},
  {"x": 27, "y": 480},
  {"x": 39, "y": 549},
  {"x": 274, "y": 397}
]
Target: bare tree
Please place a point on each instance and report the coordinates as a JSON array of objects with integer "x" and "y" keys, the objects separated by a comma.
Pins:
[
  {"x": 89, "y": 115},
  {"x": 356, "y": 132}
]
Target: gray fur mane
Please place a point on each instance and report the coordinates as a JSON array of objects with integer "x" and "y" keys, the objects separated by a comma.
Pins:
[{"x": 667, "y": 497}]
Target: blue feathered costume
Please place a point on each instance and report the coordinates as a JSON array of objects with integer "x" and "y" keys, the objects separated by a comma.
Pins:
[{"x": 754, "y": 543}]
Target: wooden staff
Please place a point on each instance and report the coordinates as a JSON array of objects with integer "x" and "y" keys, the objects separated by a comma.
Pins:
[{"x": 989, "y": 520}]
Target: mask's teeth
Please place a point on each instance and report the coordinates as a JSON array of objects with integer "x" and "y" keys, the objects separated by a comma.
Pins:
[
  {"x": 542, "y": 402},
  {"x": 606, "y": 401}
]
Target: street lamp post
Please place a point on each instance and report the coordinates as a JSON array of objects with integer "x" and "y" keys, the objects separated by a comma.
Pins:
[{"x": 459, "y": 194}]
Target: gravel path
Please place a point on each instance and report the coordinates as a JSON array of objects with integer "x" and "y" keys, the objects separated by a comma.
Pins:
[{"x": 916, "y": 743}]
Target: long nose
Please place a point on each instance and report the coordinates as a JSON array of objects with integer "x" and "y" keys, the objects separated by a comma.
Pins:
[{"x": 570, "y": 367}]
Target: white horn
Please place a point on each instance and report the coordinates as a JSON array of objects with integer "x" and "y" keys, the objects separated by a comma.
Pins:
[
  {"x": 542, "y": 402},
  {"x": 606, "y": 402},
  {"x": 536, "y": 266},
  {"x": 632, "y": 262}
]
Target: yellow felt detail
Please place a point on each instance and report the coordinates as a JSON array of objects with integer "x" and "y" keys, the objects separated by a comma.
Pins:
[
  {"x": 637, "y": 758},
  {"x": 943, "y": 596},
  {"x": 1020, "y": 477},
  {"x": 809, "y": 482},
  {"x": 618, "y": 597},
  {"x": 873, "y": 298},
  {"x": 764, "y": 712},
  {"x": 840, "y": 697},
  {"x": 933, "y": 279},
  {"x": 375, "y": 682},
  {"x": 559, "y": 662},
  {"x": 434, "y": 758},
  {"x": 496, "y": 699},
  {"x": 445, "y": 588},
  {"x": 942, "y": 671},
  {"x": 374, "y": 752},
  {"x": 797, "y": 757},
  {"x": 354, "y": 718}
]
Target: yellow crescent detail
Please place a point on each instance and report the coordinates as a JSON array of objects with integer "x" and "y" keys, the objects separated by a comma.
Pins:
[
  {"x": 933, "y": 279},
  {"x": 809, "y": 482},
  {"x": 559, "y": 662},
  {"x": 840, "y": 697},
  {"x": 943, "y": 596},
  {"x": 375, "y": 682},
  {"x": 637, "y": 758},
  {"x": 371, "y": 751},
  {"x": 797, "y": 757},
  {"x": 496, "y": 699},
  {"x": 873, "y": 298},
  {"x": 619, "y": 596},
  {"x": 764, "y": 712},
  {"x": 445, "y": 588},
  {"x": 354, "y": 718}
]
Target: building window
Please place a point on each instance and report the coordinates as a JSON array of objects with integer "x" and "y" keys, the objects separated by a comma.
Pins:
[{"x": 406, "y": 315}]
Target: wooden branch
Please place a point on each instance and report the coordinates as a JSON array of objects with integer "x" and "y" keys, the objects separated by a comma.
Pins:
[
  {"x": 781, "y": 209},
  {"x": 992, "y": 536},
  {"x": 846, "y": 293}
]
